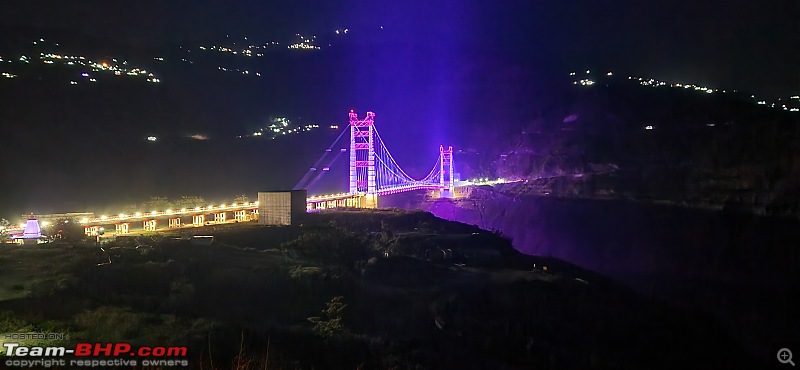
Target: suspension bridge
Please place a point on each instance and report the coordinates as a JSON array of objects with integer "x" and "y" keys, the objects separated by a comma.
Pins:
[{"x": 373, "y": 171}]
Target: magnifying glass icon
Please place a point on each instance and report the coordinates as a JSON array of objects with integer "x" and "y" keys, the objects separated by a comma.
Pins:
[{"x": 785, "y": 356}]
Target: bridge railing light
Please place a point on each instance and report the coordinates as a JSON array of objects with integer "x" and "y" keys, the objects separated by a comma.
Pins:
[
  {"x": 138, "y": 214},
  {"x": 153, "y": 212},
  {"x": 103, "y": 217}
]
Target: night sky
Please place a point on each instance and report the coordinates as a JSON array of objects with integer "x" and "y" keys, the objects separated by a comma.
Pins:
[
  {"x": 749, "y": 45},
  {"x": 434, "y": 73}
]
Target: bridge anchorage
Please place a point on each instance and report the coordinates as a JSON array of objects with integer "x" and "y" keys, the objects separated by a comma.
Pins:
[{"x": 373, "y": 170}]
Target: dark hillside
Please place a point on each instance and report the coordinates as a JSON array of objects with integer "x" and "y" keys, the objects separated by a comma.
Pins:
[{"x": 370, "y": 290}]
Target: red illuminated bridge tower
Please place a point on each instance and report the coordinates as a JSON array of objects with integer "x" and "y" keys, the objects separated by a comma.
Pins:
[
  {"x": 374, "y": 171},
  {"x": 446, "y": 172},
  {"x": 362, "y": 154}
]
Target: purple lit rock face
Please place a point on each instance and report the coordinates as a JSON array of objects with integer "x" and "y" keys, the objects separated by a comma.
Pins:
[
  {"x": 703, "y": 259},
  {"x": 32, "y": 230},
  {"x": 629, "y": 240}
]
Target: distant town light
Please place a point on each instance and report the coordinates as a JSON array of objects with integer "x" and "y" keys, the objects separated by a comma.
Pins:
[
  {"x": 648, "y": 127},
  {"x": 152, "y": 138}
]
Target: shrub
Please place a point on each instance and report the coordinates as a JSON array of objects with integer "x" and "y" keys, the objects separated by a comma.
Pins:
[
  {"x": 108, "y": 324},
  {"x": 334, "y": 247},
  {"x": 330, "y": 324}
]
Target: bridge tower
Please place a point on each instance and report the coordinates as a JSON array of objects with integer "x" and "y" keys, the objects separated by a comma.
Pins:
[
  {"x": 362, "y": 154},
  {"x": 446, "y": 172}
]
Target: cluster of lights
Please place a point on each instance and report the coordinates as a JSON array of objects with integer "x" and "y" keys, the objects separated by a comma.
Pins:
[
  {"x": 487, "y": 181},
  {"x": 305, "y": 43},
  {"x": 793, "y": 105},
  {"x": 281, "y": 126},
  {"x": 115, "y": 67},
  {"x": 303, "y": 46},
  {"x": 585, "y": 81},
  {"x": 242, "y": 71},
  {"x": 299, "y": 42},
  {"x": 785, "y": 107},
  {"x": 330, "y": 196},
  {"x": 248, "y": 51},
  {"x": 656, "y": 83},
  {"x": 123, "y": 216}
]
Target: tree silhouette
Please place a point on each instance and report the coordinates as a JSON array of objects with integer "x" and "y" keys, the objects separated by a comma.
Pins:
[
  {"x": 4, "y": 230},
  {"x": 189, "y": 201}
]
